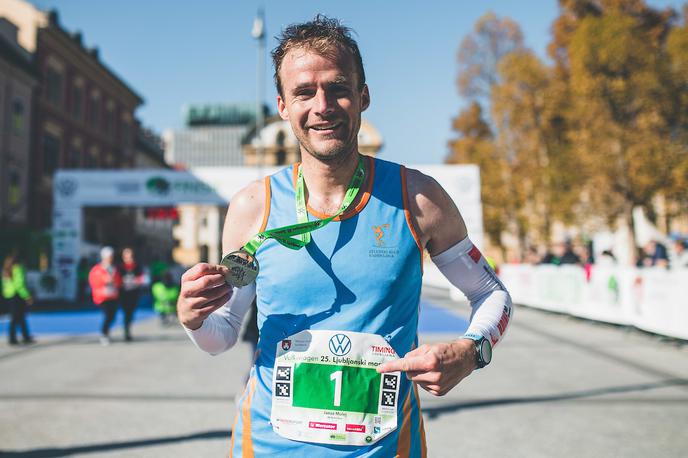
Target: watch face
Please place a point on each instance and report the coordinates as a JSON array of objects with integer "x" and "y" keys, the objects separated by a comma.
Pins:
[{"x": 486, "y": 351}]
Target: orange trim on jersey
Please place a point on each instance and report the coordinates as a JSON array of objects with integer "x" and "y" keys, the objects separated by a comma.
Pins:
[
  {"x": 370, "y": 179},
  {"x": 246, "y": 439},
  {"x": 236, "y": 420},
  {"x": 421, "y": 426},
  {"x": 407, "y": 213},
  {"x": 404, "y": 440},
  {"x": 266, "y": 211}
]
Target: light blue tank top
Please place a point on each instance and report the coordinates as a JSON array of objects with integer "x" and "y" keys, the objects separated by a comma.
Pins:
[{"x": 359, "y": 273}]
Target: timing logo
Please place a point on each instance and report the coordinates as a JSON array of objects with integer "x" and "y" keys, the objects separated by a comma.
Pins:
[{"x": 340, "y": 345}]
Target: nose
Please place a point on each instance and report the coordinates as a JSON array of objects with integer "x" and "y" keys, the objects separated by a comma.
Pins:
[{"x": 324, "y": 103}]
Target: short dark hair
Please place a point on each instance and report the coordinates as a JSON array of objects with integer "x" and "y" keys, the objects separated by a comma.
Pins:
[{"x": 323, "y": 35}]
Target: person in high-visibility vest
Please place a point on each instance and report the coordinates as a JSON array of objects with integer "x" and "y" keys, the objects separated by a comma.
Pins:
[
  {"x": 165, "y": 293},
  {"x": 18, "y": 296}
]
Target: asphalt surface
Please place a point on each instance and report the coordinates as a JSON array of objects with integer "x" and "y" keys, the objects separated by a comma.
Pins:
[{"x": 557, "y": 387}]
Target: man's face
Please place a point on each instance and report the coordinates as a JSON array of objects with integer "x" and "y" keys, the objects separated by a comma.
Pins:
[{"x": 322, "y": 103}]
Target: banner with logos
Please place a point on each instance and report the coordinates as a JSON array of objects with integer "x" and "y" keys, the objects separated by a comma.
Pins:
[{"x": 652, "y": 299}]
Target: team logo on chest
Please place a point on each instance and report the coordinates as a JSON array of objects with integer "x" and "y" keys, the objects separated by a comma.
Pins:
[
  {"x": 286, "y": 344},
  {"x": 384, "y": 242}
]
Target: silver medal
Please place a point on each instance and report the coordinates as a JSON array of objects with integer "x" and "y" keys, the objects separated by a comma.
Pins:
[{"x": 243, "y": 268}]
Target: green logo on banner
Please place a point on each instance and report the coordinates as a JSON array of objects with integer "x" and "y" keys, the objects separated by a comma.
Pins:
[{"x": 158, "y": 185}]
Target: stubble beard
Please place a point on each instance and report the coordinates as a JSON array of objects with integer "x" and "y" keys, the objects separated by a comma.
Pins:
[{"x": 336, "y": 154}]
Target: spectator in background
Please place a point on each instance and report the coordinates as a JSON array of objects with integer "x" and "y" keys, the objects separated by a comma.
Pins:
[
  {"x": 561, "y": 253},
  {"x": 105, "y": 282},
  {"x": 655, "y": 255},
  {"x": 532, "y": 256},
  {"x": 165, "y": 292},
  {"x": 17, "y": 295},
  {"x": 680, "y": 259},
  {"x": 133, "y": 280}
]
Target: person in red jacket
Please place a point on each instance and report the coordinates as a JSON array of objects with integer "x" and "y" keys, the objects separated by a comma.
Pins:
[{"x": 105, "y": 283}]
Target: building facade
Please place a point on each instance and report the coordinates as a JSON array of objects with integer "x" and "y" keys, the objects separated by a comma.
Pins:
[
  {"x": 83, "y": 112},
  {"x": 18, "y": 79}
]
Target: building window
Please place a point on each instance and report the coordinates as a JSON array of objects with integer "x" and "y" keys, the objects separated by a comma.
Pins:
[
  {"x": 18, "y": 117},
  {"x": 53, "y": 82},
  {"x": 51, "y": 153},
  {"x": 74, "y": 158},
  {"x": 78, "y": 103},
  {"x": 126, "y": 134},
  {"x": 109, "y": 121},
  {"x": 91, "y": 160},
  {"x": 95, "y": 112},
  {"x": 14, "y": 189}
]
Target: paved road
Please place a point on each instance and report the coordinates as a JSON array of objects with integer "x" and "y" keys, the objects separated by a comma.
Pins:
[{"x": 557, "y": 387}]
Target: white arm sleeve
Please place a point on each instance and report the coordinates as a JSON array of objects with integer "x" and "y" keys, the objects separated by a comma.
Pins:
[
  {"x": 466, "y": 268},
  {"x": 220, "y": 331}
]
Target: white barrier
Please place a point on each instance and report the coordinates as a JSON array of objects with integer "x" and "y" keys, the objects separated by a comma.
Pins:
[{"x": 654, "y": 299}]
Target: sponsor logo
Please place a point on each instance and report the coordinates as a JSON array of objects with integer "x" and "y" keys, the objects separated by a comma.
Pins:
[
  {"x": 338, "y": 437},
  {"x": 382, "y": 350},
  {"x": 67, "y": 187},
  {"x": 368, "y": 439},
  {"x": 322, "y": 425},
  {"x": 340, "y": 345},
  {"x": 475, "y": 254},
  {"x": 376, "y": 430},
  {"x": 158, "y": 185},
  {"x": 286, "y": 344},
  {"x": 379, "y": 232},
  {"x": 355, "y": 428}
]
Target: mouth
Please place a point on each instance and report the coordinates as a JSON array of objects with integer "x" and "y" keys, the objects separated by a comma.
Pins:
[{"x": 326, "y": 127}]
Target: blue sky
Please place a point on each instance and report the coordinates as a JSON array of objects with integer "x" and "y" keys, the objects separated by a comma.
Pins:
[{"x": 174, "y": 53}]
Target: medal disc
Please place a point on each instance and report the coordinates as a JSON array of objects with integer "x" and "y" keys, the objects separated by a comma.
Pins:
[{"x": 243, "y": 268}]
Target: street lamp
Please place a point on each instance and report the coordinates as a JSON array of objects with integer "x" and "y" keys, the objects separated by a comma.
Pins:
[{"x": 258, "y": 32}]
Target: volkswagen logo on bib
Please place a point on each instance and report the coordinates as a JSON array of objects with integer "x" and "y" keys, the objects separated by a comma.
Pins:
[{"x": 340, "y": 345}]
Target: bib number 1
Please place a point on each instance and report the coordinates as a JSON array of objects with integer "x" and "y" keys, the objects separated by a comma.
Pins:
[
  {"x": 326, "y": 388},
  {"x": 337, "y": 377}
]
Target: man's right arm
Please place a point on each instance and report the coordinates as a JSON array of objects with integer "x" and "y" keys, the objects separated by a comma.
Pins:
[{"x": 204, "y": 308}]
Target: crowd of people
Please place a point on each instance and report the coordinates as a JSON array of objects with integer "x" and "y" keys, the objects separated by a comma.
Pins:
[
  {"x": 652, "y": 254},
  {"x": 114, "y": 285}
]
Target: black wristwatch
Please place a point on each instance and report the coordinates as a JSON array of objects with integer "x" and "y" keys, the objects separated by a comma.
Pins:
[{"x": 483, "y": 350}]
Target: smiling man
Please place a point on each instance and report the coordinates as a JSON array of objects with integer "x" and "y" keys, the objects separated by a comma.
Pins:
[{"x": 335, "y": 245}]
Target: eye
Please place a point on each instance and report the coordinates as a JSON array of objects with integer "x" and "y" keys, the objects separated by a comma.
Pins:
[
  {"x": 304, "y": 93},
  {"x": 340, "y": 90}
]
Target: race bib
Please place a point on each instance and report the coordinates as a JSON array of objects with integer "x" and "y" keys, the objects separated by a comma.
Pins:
[{"x": 325, "y": 388}]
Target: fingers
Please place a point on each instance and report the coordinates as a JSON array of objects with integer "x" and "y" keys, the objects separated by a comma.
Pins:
[
  {"x": 414, "y": 361},
  {"x": 210, "y": 306},
  {"x": 211, "y": 295},
  {"x": 201, "y": 269},
  {"x": 201, "y": 286}
]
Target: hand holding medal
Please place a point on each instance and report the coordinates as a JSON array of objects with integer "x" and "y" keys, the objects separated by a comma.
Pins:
[{"x": 243, "y": 265}]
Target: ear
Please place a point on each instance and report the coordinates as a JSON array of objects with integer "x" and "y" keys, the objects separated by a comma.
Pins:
[
  {"x": 282, "y": 108},
  {"x": 365, "y": 98}
]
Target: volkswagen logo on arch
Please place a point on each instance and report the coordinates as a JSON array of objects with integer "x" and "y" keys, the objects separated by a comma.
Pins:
[{"x": 340, "y": 345}]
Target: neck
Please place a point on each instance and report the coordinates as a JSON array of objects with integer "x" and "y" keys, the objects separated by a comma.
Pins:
[{"x": 327, "y": 182}]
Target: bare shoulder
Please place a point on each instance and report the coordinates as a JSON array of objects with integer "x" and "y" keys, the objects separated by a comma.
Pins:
[
  {"x": 244, "y": 216},
  {"x": 434, "y": 213}
]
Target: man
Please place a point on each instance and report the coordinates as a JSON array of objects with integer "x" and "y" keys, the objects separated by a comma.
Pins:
[
  {"x": 105, "y": 282},
  {"x": 133, "y": 281},
  {"x": 354, "y": 287}
]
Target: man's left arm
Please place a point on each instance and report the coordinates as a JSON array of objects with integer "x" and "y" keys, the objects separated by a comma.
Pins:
[{"x": 439, "y": 367}]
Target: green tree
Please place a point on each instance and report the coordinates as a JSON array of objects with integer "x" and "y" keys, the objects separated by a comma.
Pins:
[{"x": 617, "y": 80}]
